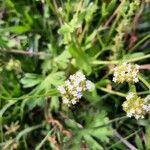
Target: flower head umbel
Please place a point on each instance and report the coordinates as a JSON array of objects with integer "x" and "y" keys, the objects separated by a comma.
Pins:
[
  {"x": 126, "y": 73},
  {"x": 135, "y": 106},
  {"x": 74, "y": 87}
]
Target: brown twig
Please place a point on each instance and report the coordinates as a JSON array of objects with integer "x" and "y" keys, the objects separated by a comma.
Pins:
[
  {"x": 145, "y": 67},
  {"x": 22, "y": 52}
]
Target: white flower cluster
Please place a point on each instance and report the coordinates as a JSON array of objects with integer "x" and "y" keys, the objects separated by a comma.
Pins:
[
  {"x": 147, "y": 103},
  {"x": 136, "y": 106},
  {"x": 126, "y": 73},
  {"x": 72, "y": 91}
]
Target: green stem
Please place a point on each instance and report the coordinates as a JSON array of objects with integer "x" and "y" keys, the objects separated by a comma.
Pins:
[
  {"x": 50, "y": 93},
  {"x": 111, "y": 121},
  {"x": 144, "y": 81},
  {"x": 144, "y": 92},
  {"x": 100, "y": 62},
  {"x": 132, "y": 87},
  {"x": 140, "y": 42},
  {"x": 127, "y": 137},
  {"x": 118, "y": 12},
  {"x": 112, "y": 92}
]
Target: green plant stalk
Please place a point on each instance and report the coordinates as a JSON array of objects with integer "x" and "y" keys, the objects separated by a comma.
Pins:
[
  {"x": 144, "y": 92},
  {"x": 116, "y": 20},
  {"x": 111, "y": 121},
  {"x": 38, "y": 147},
  {"x": 2, "y": 111},
  {"x": 140, "y": 42},
  {"x": 112, "y": 92},
  {"x": 53, "y": 92},
  {"x": 144, "y": 81},
  {"x": 98, "y": 62},
  {"x": 127, "y": 137},
  {"x": 132, "y": 88},
  {"x": 27, "y": 130}
]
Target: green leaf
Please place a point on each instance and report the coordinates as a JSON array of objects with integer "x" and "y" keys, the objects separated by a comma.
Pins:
[
  {"x": 104, "y": 9},
  {"x": 38, "y": 147},
  {"x": 82, "y": 59},
  {"x": 102, "y": 83},
  {"x": 32, "y": 103},
  {"x": 138, "y": 142},
  {"x": 92, "y": 143},
  {"x": 147, "y": 137},
  {"x": 30, "y": 80},
  {"x": 89, "y": 11},
  {"x": 54, "y": 103},
  {"x": 132, "y": 56},
  {"x": 26, "y": 131},
  {"x": 111, "y": 6},
  {"x": 93, "y": 126},
  {"x": 16, "y": 29},
  {"x": 66, "y": 28},
  {"x": 2, "y": 111},
  {"x": 63, "y": 59}
]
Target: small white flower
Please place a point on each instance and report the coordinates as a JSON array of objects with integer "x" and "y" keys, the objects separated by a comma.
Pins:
[
  {"x": 122, "y": 79},
  {"x": 88, "y": 85},
  {"x": 79, "y": 95},
  {"x": 147, "y": 107},
  {"x": 129, "y": 79},
  {"x": 115, "y": 68},
  {"x": 82, "y": 78},
  {"x": 125, "y": 104},
  {"x": 124, "y": 64},
  {"x": 73, "y": 101},
  {"x": 115, "y": 74},
  {"x": 79, "y": 73},
  {"x": 134, "y": 74},
  {"x": 122, "y": 73},
  {"x": 70, "y": 87},
  {"x": 79, "y": 89},
  {"x": 65, "y": 101},
  {"x": 142, "y": 116},
  {"x": 137, "y": 67},
  {"x": 114, "y": 79},
  {"x": 132, "y": 111},
  {"x": 136, "y": 80},
  {"x": 72, "y": 77},
  {"x": 129, "y": 67},
  {"x": 75, "y": 93},
  {"x": 138, "y": 111},
  {"x": 61, "y": 89},
  {"x": 76, "y": 82},
  {"x": 67, "y": 82},
  {"x": 129, "y": 114},
  {"x": 130, "y": 96},
  {"x": 137, "y": 116}
]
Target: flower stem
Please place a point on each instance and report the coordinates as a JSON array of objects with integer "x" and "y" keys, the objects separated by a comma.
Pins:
[
  {"x": 132, "y": 88},
  {"x": 144, "y": 81}
]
